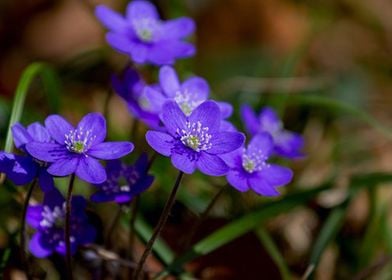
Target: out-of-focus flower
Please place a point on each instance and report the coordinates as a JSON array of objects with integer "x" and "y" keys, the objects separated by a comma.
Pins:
[
  {"x": 49, "y": 221},
  {"x": 249, "y": 168},
  {"x": 194, "y": 141},
  {"x": 286, "y": 143},
  {"x": 144, "y": 36},
  {"x": 124, "y": 182},
  {"x": 130, "y": 86},
  {"x": 77, "y": 150}
]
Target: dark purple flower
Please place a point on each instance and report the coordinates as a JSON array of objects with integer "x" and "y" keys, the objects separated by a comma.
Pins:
[
  {"x": 188, "y": 95},
  {"x": 144, "y": 36},
  {"x": 130, "y": 87},
  {"x": 35, "y": 167},
  {"x": 77, "y": 150},
  {"x": 49, "y": 221},
  {"x": 124, "y": 182},
  {"x": 22, "y": 169},
  {"x": 286, "y": 143},
  {"x": 249, "y": 168},
  {"x": 194, "y": 141}
]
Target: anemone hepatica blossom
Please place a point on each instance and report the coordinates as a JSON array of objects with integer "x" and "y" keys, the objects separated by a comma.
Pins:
[
  {"x": 286, "y": 143},
  {"x": 20, "y": 170},
  {"x": 188, "y": 95},
  {"x": 124, "y": 182},
  {"x": 249, "y": 168},
  {"x": 194, "y": 141},
  {"x": 23, "y": 169},
  {"x": 144, "y": 36},
  {"x": 77, "y": 150},
  {"x": 49, "y": 221},
  {"x": 22, "y": 136},
  {"x": 130, "y": 87}
]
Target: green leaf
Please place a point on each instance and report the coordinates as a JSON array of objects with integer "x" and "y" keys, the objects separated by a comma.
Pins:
[
  {"x": 274, "y": 253},
  {"x": 51, "y": 85}
]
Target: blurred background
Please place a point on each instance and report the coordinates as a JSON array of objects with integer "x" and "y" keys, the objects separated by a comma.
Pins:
[{"x": 326, "y": 66}]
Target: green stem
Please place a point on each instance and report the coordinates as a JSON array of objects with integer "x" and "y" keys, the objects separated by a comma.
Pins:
[
  {"x": 68, "y": 227},
  {"x": 159, "y": 227}
]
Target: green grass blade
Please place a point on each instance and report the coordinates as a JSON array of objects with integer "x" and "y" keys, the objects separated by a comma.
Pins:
[
  {"x": 51, "y": 85},
  {"x": 336, "y": 218},
  {"x": 4, "y": 260},
  {"x": 243, "y": 225},
  {"x": 328, "y": 232},
  {"x": 160, "y": 247},
  {"x": 344, "y": 107},
  {"x": 274, "y": 253}
]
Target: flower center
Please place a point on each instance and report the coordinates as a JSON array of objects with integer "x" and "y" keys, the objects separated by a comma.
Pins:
[
  {"x": 195, "y": 136},
  {"x": 187, "y": 101},
  {"x": 53, "y": 218},
  {"x": 79, "y": 140},
  {"x": 254, "y": 161},
  {"x": 272, "y": 128},
  {"x": 146, "y": 29}
]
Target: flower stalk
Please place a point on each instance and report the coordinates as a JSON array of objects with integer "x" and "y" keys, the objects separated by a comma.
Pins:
[
  {"x": 159, "y": 226},
  {"x": 203, "y": 216},
  {"x": 68, "y": 227},
  {"x": 23, "y": 228}
]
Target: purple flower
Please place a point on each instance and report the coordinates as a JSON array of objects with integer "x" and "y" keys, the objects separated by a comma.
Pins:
[
  {"x": 188, "y": 95},
  {"x": 49, "y": 221},
  {"x": 124, "y": 182},
  {"x": 77, "y": 150},
  {"x": 249, "y": 168},
  {"x": 286, "y": 143},
  {"x": 130, "y": 87},
  {"x": 194, "y": 141},
  {"x": 144, "y": 37},
  {"x": 22, "y": 169}
]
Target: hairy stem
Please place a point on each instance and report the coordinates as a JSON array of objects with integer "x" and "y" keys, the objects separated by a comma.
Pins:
[
  {"x": 134, "y": 210},
  {"x": 23, "y": 236},
  {"x": 159, "y": 226},
  {"x": 112, "y": 227},
  {"x": 68, "y": 210},
  {"x": 203, "y": 216}
]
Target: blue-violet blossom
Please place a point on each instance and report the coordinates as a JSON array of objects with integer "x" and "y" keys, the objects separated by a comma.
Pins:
[
  {"x": 77, "y": 150},
  {"x": 22, "y": 169},
  {"x": 49, "y": 221},
  {"x": 144, "y": 36},
  {"x": 286, "y": 143},
  {"x": 124, "y": 182},
  {"x": 188, "y": 95},
  {"x": 249, "y": 168},
  {"x": 194, "y": 141}
]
